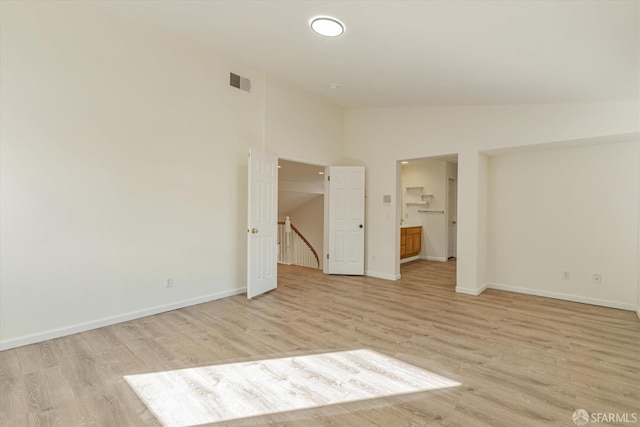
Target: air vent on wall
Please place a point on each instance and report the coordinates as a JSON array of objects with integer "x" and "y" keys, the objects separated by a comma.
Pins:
[{"x": 240, "y": 82}]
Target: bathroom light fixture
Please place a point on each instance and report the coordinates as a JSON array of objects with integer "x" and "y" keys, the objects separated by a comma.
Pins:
[
  {"x": 404, "y": 162},
  {"x": 327, "y": 26},
  {"x": 320, "y": 173}
]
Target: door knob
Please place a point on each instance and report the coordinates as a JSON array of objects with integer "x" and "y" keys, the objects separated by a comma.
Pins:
[
  {"x": 254, "y": 230},
  {"x": 360, "y": 226}
]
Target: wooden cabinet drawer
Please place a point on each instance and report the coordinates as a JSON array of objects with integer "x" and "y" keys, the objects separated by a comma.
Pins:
[{"x": 414, "y": 230}]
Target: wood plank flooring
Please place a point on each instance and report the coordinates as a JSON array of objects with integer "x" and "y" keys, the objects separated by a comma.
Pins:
[
  {"x": 230, "y": 391},
  {"x": 522, "y": 360}
]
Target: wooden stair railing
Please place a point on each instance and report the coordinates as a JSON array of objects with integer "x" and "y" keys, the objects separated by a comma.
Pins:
[{"x": 306, "y": 242}]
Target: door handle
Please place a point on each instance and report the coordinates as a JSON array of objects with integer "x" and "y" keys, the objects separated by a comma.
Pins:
[
  {"x": 360, "y": 226},
  {"x": 254, "y": 230},
  {"x": 454, "y": 222}
]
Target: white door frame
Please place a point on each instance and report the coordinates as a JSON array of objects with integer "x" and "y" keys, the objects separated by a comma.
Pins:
[
  {"x": 399, "y": 206},
  {"x": 324, "y": 218},
  {"x": 452, "y": 216}
]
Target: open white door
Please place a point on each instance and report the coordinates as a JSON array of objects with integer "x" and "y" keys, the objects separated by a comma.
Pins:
[
  {"x": 262, "y": 226},
  {"x": 345, "y": 190}
]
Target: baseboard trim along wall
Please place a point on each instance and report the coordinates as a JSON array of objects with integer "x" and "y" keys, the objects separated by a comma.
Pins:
[
  {"x": 382, "y": 275},
  {"x": 557, "y": 295},
  {"x": 471, "y": 291},
  {"x": 434, "y": 258},
  {"x": 107, "y": 321},
  {"x": 413, "y": 258}
]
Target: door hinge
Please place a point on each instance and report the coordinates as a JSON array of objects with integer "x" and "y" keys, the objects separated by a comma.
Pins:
[
  {"x": 327, "y": 256},
  {"x": 328, "y": 177}
]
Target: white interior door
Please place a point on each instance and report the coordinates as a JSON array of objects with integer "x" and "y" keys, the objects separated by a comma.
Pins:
[
  {"x": 452, "y": 218},
  {"x": 345, "y": 188},
  {"x": 262, "y": 226}
]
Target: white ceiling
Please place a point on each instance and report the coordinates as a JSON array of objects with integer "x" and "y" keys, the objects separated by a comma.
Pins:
[
  {"x": 298, "y": 173},
  {"x": 403, "y": 53},
  {"x": 289, "y": 201}
]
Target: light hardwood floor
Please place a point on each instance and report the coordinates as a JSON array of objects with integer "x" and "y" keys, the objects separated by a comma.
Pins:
[{"x": 521, "y": 360}]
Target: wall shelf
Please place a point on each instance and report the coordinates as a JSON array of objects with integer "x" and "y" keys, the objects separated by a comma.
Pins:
[{"x": 416, "y": 196}]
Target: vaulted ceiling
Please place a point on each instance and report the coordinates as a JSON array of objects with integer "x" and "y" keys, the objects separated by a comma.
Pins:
[
  {"x": 403, "y": 53},
  {"x": 298, "y": 184}
]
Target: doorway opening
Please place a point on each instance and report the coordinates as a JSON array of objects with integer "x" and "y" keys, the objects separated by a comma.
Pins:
[
  {"x": 334, "y": 224},
  {"x": 428, "y": 211},
  {"x": 300, "y": 214}
]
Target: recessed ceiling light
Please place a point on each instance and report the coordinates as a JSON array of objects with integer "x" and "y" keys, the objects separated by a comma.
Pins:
[
  {"x": 327, "y": 26},
  {"x": 334, "y": 85},
  {"x": 405, "y": 162},
  {"x": 320, "y": 173}
]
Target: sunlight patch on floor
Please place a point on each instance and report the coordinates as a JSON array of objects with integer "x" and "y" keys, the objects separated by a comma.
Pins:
[{"x": 189, "y": 397}]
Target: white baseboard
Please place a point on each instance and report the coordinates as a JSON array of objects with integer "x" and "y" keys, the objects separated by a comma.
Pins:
[
  {"x": 382, "y": 275},
  {"x": 434, "y": 258},
  {"x": 566, "y": 297},
  {"x": 106, "y": 321},
  {"x": 471, "y": 291},
  {"x": 413, "y": 258},
  {"x": 638, "y": 312}
]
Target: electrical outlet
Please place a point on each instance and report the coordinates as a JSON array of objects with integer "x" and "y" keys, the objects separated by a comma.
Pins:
[
  {"x": 168, "y": 282},
  {"x": 566, "y": 275},
  {"x": 597, "y": 279}
]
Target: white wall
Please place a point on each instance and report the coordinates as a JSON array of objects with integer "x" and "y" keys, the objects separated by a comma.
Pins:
[
  {"x": 472, "y": 220},
  {"x": 309, "y": 220},
  {"x": 573, "y": 210},
  {"x": 484, "y": 237},
  {"x": 123, "y": 162},
  {"x": 301, "y": 127},
  {"x": 379, "y": 137},
  {"x": 638, "y": 259},
  {"x": 432, "y": 176}
]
